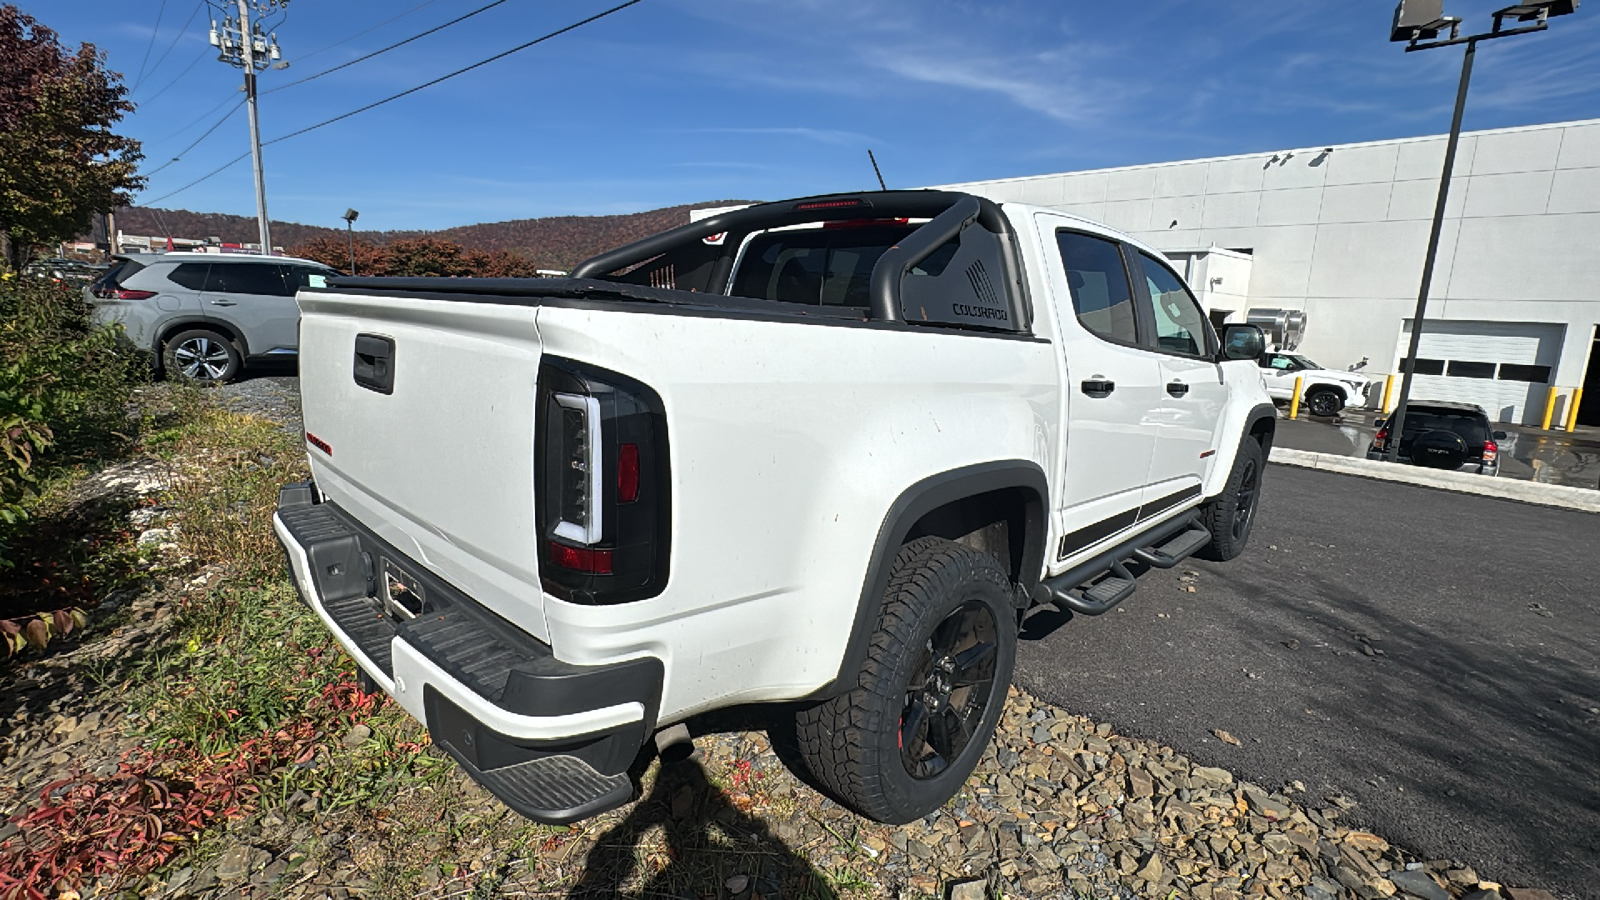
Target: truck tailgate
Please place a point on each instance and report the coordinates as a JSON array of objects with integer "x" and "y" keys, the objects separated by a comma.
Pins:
[{"x": 442, "y": 465}]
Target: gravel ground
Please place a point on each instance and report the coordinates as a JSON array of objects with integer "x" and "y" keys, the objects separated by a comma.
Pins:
[{"x": 270, "y": 393}]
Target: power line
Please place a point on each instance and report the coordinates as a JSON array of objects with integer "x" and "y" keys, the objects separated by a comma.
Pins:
[
  {"x": 197, "y": 140},
  {"x": 198, "y": 119},
  {"x": 340, "y": 43},
  {"x": 177, "y": 37},
  {"x": 139, "y": 79},
  {"x": 204, "y": 52},
  {"x": 408, "y": 40},
  {"x": 520, "y": 47}
]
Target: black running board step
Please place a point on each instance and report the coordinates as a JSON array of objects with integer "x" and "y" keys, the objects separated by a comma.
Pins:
[
  {"x": 1117, "y": 586},
  {"x": 1175, "y": 550},
  {"x": 554, "y": 790}
]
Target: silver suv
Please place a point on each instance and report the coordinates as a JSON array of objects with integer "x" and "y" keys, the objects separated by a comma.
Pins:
[{"x": 201, "y": 315}]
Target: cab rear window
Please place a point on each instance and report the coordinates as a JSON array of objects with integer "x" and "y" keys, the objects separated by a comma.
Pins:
[{"x": 815, "y": 266}]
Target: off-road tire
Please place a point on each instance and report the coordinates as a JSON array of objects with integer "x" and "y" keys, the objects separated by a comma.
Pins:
[
  {"x": 1222, "y": 514},
  {"x": 201, "y": 355},
  {"x": 1324, "y": 402},
  {"x": 852, "y": 744}
]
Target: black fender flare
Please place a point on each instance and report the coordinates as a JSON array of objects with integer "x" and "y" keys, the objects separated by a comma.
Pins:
[
  {"x": 1259, "y": 412},
  {"x": 917, "y": 501}
]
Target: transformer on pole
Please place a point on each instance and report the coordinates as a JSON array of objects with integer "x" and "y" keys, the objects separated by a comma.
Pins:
[{"x": 244, "y": 44}]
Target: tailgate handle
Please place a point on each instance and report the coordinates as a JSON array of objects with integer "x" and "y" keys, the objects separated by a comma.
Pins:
[{"x": 374, "y": 364}]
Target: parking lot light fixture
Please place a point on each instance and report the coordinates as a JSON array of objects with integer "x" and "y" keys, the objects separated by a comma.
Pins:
[
  {"x": 350, "y": 217},
  {"x": 1419, "y": 24}
]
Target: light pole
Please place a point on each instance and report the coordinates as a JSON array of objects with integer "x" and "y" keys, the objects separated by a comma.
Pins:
[
  {"x": 1422, "y": 20},
  {"x": 350, "y": 226},
  {"x": 245, "y": 45}
]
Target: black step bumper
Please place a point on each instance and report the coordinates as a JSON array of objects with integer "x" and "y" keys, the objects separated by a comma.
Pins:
[{"x": 550, "y": 739}]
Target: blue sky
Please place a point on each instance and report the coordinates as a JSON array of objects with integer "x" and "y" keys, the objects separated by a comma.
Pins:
[{"x": 676, "y": 101}]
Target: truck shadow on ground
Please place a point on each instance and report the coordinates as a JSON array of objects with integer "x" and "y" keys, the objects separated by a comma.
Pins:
[{"x": 707, "y": 842}]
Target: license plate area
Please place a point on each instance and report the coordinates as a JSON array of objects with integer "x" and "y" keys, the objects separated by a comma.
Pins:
[{"x": 403, "y": 595}]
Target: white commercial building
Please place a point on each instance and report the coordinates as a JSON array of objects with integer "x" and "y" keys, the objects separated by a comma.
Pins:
[{"x": 1340, "y": 232}]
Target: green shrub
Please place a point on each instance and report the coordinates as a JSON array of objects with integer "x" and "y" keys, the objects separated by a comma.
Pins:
[{"x": 64, "y": 386}]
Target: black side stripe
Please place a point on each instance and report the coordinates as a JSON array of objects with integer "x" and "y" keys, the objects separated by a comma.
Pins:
[
  {"x": 1090, "y": 535},
  {"x": 1162, "y": 504}
]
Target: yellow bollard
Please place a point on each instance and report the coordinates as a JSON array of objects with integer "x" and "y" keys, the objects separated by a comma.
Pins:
[
  {"x": 1388, "y": 391},
  {"x": 1294, "y": 402},
  {"x": 1550, "y": 407},
  {"x": 1574, "y": 399}
]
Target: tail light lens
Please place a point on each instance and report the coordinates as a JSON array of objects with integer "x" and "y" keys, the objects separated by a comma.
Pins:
[
  {"x": 1381, "y": 439},
  {"x": 602, "y": 490},
  {"x": 1491, "y": 451},
  {"x": 109, "y": 292}
]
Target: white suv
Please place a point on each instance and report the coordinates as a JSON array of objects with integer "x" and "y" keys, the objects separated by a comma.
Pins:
[
  {"x": 1324, "y": 391},
  {"x": 202, "y": 315},
  {"x": 825, "y": 452}
]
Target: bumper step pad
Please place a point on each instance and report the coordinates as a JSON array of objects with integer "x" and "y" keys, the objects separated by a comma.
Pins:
[{"x": 556, "y": 790}]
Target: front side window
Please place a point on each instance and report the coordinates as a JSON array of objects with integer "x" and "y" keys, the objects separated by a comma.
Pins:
[
  {"x": 247, "y": 278},
  {"x": 1179, "y": 324},
  {"x": 1101, "y": 296}
]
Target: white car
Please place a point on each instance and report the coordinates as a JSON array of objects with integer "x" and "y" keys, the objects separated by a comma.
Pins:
[
  {"x": 824, "y": 452},
  {"x": 1324, "y": 392}
]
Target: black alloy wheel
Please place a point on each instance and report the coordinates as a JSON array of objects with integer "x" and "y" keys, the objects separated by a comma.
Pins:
[
  {"x": 1324, "y": 403},
  {"x": 949, "y": 692},
  {"x": 1245, "y": 507}
]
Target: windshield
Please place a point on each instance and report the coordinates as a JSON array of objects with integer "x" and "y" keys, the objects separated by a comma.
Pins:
[{"x": 1304, "y": 362}]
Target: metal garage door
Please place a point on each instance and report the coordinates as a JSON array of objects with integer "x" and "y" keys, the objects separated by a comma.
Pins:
[{"x": 1503, "y": 367}]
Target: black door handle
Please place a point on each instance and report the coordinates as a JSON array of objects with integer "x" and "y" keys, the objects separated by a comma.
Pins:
[
  {"x": 374, "y": 363},
  {"x": 1099, "y": 387},
  {"x": 1177, "y": 388}
]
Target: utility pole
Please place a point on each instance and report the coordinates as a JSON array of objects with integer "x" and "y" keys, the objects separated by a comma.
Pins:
[{"x": 244, "y": 44}]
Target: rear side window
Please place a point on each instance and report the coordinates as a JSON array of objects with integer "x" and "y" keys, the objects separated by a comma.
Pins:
[
  {"x": 119, "y": 271},
  {"x": 247, "y": 278},
  {"x": 1180, "y": 326},
  {"x": 1101, "y": 296},
  {"x": 189, "y": 275}
]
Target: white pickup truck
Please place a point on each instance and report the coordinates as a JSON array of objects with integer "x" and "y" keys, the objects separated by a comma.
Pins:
[{"x": 824, "y": 452}]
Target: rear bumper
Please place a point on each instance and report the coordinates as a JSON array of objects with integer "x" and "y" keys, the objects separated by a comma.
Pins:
[
  {"x": 552, "y": 740},
  {"x": 1472, "y": 467}
]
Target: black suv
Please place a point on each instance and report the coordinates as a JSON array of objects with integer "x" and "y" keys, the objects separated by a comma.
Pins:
[{"x": 1443, "y": 435}]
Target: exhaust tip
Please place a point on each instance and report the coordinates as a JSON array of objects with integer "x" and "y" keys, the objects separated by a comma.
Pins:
[{"x": 673, "y": 743}]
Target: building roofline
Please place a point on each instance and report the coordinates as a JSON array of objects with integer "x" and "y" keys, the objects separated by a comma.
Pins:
[{"x": 962, "y": 185}]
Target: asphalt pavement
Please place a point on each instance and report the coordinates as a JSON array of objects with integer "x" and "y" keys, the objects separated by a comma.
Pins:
[{"x": 1434, "y": 657}]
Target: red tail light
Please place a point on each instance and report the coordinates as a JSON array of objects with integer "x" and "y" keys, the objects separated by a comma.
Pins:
[
  {"x": 602, "y": 494},
  {"x": 125, "y": 294},
  {"x": 1381, "y": 439},
  {"x": 831, "y": 204},
  {"x": 1491, "y": 451},
  {"x": 628, "y": 473},
  {"x": 580, "y": 559}
]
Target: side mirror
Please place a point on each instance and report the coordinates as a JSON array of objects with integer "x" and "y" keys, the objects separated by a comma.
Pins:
[
  {"x": 1499, "y": 435},
  {"x": 1242, "y": 341}
]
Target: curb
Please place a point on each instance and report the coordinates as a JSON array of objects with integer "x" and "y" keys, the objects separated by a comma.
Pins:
[{"x": 1580, "y": 499}]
